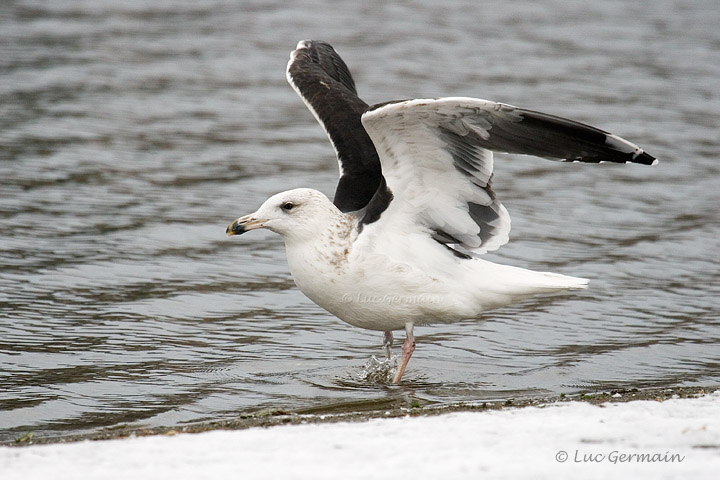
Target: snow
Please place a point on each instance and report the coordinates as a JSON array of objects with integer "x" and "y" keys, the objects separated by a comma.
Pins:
[{"x": 682, "y": 436}]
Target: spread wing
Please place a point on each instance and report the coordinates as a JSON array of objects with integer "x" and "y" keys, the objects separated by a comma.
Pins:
[
  {"x": 323, "y": 81},
  {"x": 437, "y": 160}
]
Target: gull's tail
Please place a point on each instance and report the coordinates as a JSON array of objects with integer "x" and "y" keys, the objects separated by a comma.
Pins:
[
  {"x": 560, "y": 282},
  {"x": 498, "y": 285}
]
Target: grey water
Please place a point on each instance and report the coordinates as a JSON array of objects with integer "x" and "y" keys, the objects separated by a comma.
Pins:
[{"x": 132, "y": 133}]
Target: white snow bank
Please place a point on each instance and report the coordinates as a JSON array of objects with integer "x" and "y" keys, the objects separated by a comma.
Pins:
[{"x": 677, "y": 438}]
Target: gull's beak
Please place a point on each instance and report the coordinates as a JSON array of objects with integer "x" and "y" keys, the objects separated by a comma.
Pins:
[{"x": 244, "y": 224}]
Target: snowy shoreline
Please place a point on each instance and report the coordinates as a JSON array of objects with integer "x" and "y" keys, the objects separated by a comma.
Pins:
[
  {"x": 334, "y": 412},
  {"x": 674, "y": 438}
]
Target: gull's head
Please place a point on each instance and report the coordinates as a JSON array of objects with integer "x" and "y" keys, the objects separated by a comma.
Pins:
[{"x": 295, "y": 214}]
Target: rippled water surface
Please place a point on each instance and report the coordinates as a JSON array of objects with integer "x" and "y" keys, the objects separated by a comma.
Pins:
[{"x": 131, "y": 133}]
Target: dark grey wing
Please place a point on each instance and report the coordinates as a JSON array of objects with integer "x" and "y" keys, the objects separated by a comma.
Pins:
[
  {"x": 323, "y": 81},
  {"x": 504, "y": 128}
]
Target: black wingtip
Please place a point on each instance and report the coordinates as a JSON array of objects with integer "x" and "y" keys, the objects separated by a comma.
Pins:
[
  {"x": 627, "y": 151},
  {"x": 556, "y": 137},
  {"x": 323, "y": 54},
  {"x": 645, "y": 159}
]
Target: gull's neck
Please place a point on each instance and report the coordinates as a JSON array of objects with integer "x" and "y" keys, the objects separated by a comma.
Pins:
[
  {"x": 328, "y": 244},
  {"x": 317, "y": 262}
]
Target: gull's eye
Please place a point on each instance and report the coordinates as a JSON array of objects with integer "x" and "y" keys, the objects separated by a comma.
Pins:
[{"x": 287, "y": 206}]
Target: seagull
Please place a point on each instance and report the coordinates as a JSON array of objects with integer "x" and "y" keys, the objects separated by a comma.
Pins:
[{"x": 399, "y": 244}]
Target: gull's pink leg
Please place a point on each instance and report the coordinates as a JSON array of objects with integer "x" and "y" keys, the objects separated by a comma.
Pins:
[
  {"x": 387, "y": 343},
  {"x": 408, "y": 348}
]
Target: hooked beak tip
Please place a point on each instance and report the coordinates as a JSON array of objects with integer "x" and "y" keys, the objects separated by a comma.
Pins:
[
  {"x": 234, "y": 229},
  {"x": 242, "y": 225}
]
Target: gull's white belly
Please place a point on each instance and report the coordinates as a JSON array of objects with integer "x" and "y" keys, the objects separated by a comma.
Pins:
[
  {"x": 384, "y": 291},
  {"x": 377, "y": 293},
  {"x": 380, "y": 304}
]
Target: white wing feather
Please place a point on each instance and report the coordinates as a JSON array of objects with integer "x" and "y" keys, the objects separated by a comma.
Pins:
[{"x": 439, "y": 178}]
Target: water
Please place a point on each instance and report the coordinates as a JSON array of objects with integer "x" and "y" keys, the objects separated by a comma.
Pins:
[{"x": 132, "y": 133}]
